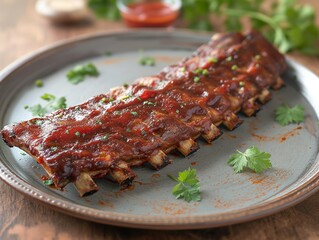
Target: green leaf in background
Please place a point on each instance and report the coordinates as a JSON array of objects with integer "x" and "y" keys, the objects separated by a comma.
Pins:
[
  {"x": 289, "y": 25},
  {"x": 105, "y": 9}
]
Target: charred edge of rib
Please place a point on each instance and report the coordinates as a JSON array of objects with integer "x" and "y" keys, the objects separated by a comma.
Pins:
[
  {"x": 187, "y": 147},
  {"x": 213, "y": 134},
  {"x": 85, "y": 185},
  {"x": 278, "y": 84},
  {"x": 89, "y": 193},
  {"x": 122, "y": 173},
  {"x": 127, "y": 183},
  {"x": 231, "y": 121},
  {"x": 159, "y": 160},
  {"x": 250, "y": 107},
  {"x": 264, "y": 96}
]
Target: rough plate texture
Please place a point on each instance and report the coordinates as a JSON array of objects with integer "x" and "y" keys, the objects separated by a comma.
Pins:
[{"x": 227, "y": 197}]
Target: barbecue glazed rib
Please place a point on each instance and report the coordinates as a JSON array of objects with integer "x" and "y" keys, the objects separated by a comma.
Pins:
[{"x": 142, "y": 123}]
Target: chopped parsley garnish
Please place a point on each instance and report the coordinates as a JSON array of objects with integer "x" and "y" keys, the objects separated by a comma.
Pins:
[
  {"x": 128, "y": 130},
  {"x": 148, "y": 103},
  {"x": 205, "y": 72},
  {"x": 38, "y": 83},
  {"x": 201, "y": 71},
  {"x": 286, "y": 115},
  {"x": 188, "y": 186},
  {"x": 67, "y": 132},
  {"x": 228, "y": 59},
  {"x": 79, "y": 72},
  {"x": 22, "y": 153},
  {"x": 177, "y": 111},
  {"x": 78, "y": 134},
  {"x": 252, "y": 159},
  {"x": 125, "y": 85},
  {"x": 147, "y": 61},
  {"x": 198, "y": 71},
  {"x": 54, "y": 149},
  {"x": 116, "y": 112},
  {"x": 52, "y": 105},
  {"x": 106, "y": 136},
  {"x": 103, "y": 100},
  {"x": 134, "y": 114},
  {"x": 241, "y": 83},
  {"x": 48, "y": 182},
  {"x": 257, "y": 57},
  {"x": 196, "y": 79},
  {"x": 125, "y": 97},
  {"x": 234, "y": 67},
  {"x": 213, "y": 60}
]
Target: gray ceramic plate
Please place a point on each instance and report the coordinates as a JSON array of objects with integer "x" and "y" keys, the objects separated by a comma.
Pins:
[{"x": 227, "y": 197}]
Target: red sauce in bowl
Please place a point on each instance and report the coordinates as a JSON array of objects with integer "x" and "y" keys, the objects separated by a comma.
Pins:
[{"x": 149, "y": 14}]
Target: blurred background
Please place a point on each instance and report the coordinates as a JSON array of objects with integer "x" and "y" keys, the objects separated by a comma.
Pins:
[{"x": 29, "y": 24}]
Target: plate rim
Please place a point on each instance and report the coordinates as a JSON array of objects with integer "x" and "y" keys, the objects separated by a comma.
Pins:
[{"x": 263, "y": 209}]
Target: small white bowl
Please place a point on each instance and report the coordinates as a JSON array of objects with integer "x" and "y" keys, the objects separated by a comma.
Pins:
[{"x": 62, "y": 10}]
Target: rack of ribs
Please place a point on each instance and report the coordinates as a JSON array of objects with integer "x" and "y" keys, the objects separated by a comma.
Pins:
[{"x": 140, "y": 124}]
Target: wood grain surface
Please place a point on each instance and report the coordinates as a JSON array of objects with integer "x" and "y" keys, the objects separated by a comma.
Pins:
[{"x": 22, "y": 31}]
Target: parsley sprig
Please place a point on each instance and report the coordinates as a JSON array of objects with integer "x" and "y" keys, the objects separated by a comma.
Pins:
[
  {"x": 252, "y": 158},
  {"x": 286, "y": 115},
  {"x": 79, "y": 72},
  {"x": 188, "y": 186},
  {"x": 53, "y": 103}
]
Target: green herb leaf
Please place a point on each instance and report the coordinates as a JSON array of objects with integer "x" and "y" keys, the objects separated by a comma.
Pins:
[
  {"x": 286, "y": 115},
  {"x": 188, "y": 187},
  {"x": 38, "y": 110},
  {"x": 104, "y": 9},
  {"x": 78, "y": 73},
  {"x": 252, "y": 158},
  {"x": 288, "y": 24},
  {"x": 147, "y": 61},
  {"x": 38, "y": 83},
  {"x": 48, "y": 182},
  {"x": 52, "y": 105}
]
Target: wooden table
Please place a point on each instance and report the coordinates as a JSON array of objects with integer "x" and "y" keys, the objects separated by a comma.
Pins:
[{"x": 22, "y": 31}]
